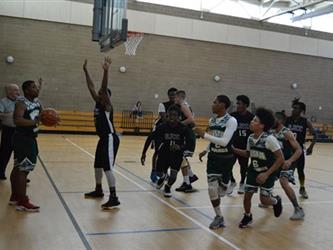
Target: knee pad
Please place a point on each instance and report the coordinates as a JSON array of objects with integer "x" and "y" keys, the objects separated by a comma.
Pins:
[{"x": 213, "y": 189}]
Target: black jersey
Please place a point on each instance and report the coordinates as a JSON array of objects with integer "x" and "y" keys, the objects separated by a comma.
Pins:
[
  {"x": 183, "y": 117},
  {"x": 103, "y": 121},
  {"x": 168, "y": 136},
  {"x": 298, "y": 127},
  {"x": 32, "y": 111},
  {"x": 243, "y": 129}
]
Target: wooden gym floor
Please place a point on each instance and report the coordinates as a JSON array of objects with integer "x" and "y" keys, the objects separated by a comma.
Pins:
[{"x": 147, "y": 220}]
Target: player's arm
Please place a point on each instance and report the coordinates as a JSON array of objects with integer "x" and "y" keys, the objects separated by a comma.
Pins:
[
  {"x": 204, "y": 152},
  {"x": 225, "y": 139},
  {"x": 90, "y": 84},
  {"x": 19, "y": 119},
  {"x": 105, "y": 66},
  {"x": 296, "y": 149},
  {"x": 241, "y": 152},
  {"x": 41, "y": 83},
  {"x": 146, "y": 146},
  {"x": 188, "y": 114},
  {"x": 313, "y": 132},
  {"x": 273, "y": 145}
]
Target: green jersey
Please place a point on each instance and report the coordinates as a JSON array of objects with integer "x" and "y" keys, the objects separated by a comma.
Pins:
[
  {"x": 31, "y": 112},
  {"x": 217, "y": 127},
  {"x": 261, "y": 151},
  {"x": 284, "y": 143}
]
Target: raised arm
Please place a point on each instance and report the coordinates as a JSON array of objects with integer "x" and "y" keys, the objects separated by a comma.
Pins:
[
  {"x": 90, "y": 84},
  {"x": 105, "y": 66},
  {"x": 296, "y": 148},
  {"x": 314, "y": 137}
]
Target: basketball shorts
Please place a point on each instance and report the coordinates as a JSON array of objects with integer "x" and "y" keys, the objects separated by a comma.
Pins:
[
  {"x": 168, "y": 160},
  {"x": 25, "y": 152},
  {"x": 252, "y": 186},
  {"x": 222, "y": 166},
  {"x": 106, "y": 152}
]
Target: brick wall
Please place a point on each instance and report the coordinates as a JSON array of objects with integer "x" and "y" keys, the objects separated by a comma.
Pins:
[{"x": 56, "y": 51}]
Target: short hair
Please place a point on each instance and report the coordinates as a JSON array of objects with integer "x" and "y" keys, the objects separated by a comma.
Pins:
[
  {"x": 281, "y": 113},
  {"x": 171, "y": 90},
  {"x": 224, "y": 99},
  {"x": 27, "y": 84},
  {"x": 175, "y": 108},
  {"x": 266, "y": 117},
  {"x": 181, "y": 93},
  {"x": 244, "y": 99},
  {"x": 300, "y": 104}
]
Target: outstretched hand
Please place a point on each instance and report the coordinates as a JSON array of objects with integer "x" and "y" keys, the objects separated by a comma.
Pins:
[
  {"x": 143, "y": 159},
  {"x": 107, "y": 63}
]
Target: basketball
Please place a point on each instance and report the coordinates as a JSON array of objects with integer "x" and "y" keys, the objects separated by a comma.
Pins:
[{"x": 49, "y": 117}]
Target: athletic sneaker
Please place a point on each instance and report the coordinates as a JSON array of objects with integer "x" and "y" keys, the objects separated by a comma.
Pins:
[
  {"x": 217, "y": 222},
  {"x": 241, "y": 189},
  {"x": 303, "y": 193},
  {"x": 298, "y": 214},
  {"x": 246, "y": 221},
  {"x": 231, "y": 187},
  {"x": 222, "y": 190},
  {"x": 153, "y": 177},
  {"x": 193, "y": 178},
  {"x": 3, "y": 177},
  {"x": 111, "y": 203},
  {"x": 167, "y": 191},
  {"x": 12, "y": 200},
  {"x": 26, "y": 205},
  {"x": 278, "y": 206},
  {"x": 161, "y": 181},
  {"x": 94, "y": 194},
  {"x": 186, "y": 188}
]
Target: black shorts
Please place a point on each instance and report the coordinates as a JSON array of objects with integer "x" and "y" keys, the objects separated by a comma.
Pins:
[
  {"x": 25, "y": 152},
  {"x": 106, "y": 152},
  {"x": 165, "y": 160}
]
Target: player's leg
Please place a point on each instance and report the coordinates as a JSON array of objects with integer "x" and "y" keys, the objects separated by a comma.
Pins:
[
  {"x": 186, "y": 185},
  {"x": 25, "y": 154},
  {"x": 98, "y": 170},
  {"x": 251, "y": 187},
  {"x": 267, "y": 198},
  {"x": 111, "y": 149},
  {"x": 286, "y": 176},
  {"x": 162, "y": 165},
  {"x": 228, "y": 165},
  {"x": 175, "y": 164},
  {"x": 243, "y": 163},
  {"x": 301, "y": 176}
]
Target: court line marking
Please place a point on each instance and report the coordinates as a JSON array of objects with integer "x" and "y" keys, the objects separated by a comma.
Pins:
[
  {"x": 239, "y": 205},
  {"x": 146, "y": 231},
  {"x": 227, "y": 242},
  {"x": 64, "y": 204}
]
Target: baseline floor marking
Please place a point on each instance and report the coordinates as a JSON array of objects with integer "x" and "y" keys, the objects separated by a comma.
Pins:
[
  {"x": 230, "y": 244},
  {"x": 146, "y": 231},
  {"x": 68, "y": 211}
]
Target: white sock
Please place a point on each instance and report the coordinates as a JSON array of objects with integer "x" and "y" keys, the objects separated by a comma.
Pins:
[
  {"x": 110, "y": 178},
  {"x": 218, "y": 211},
  {"x": 98, "y": 175},
  {"x": 187, "y": 179},
  {"x": 190, "y": 172},
  {"x": 274, "y": 201}
]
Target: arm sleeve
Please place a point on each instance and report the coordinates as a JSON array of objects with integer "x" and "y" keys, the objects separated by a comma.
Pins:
[
  {"x": 161, "y": 108},
  {"x": 272, "y": 144},
  {"x": 228, "y": 133}
]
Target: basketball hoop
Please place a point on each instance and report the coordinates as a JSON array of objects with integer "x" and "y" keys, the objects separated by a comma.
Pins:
[{"x": 132, "y": 43}]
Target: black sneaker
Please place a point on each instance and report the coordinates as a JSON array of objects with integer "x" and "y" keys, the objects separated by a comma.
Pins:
[
  {"x": 246, "y": 221},
  {"x": 161, "y": 181},
  {"x": 186, "y": 188},
  {"x": 303, "y": 193},
  {"x": 278, "y": 206},
  {"x": 111, "y": 203},
  {"x": 167, "y": 191},
  {"x": 94, "y": 194},
  {"x": 193, "y": 178}
]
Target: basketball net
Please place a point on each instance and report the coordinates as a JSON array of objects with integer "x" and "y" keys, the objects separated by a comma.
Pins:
[{"x": 132, "y": 43}]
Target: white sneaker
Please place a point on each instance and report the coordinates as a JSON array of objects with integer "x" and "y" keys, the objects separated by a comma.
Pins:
[
  {"x": 241, "y": 189},
  {"x": 298, "y": 214},
  {"x": 231, "y": 187}
]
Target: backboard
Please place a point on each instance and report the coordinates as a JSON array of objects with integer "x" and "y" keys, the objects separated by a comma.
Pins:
[{"x": 109, "y": 23}]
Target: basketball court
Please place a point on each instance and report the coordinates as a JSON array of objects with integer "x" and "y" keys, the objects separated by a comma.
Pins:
[{"x": 146, "y": 219}]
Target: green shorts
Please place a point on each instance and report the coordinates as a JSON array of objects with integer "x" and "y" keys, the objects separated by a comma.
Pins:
[
  {"x": 25, "y": 152},
  {"x": 287, "y": 173},
  {"x": 252, "y": 186},
  {"x": 220, "y": 166}
]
